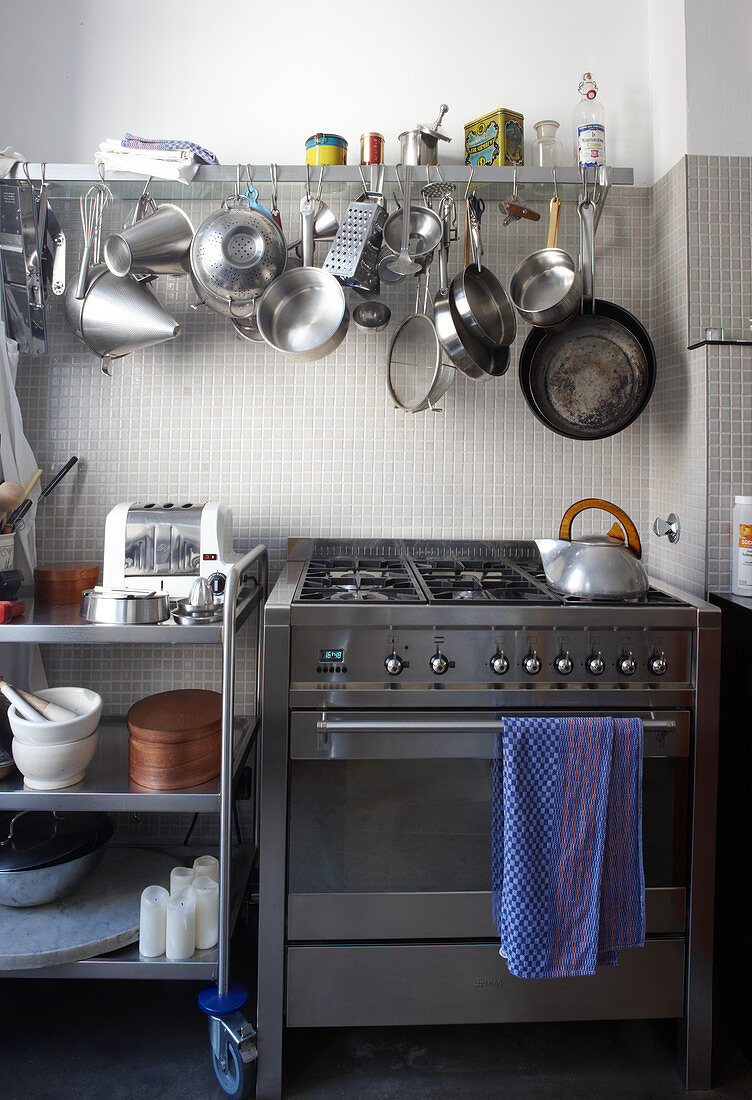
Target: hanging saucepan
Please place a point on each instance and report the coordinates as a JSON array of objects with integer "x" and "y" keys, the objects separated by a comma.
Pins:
[
  {"x": 303, "y": 314},
  {"x": 235, "y": 254},
  {"x": 595, "y": 567},
  {"x": 477, "y": 294},
  {"x": 594, "y": 378},
  {"x": 546, "y": 288}
]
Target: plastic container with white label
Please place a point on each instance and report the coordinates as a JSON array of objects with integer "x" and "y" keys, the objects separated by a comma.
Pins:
[{"x": 741, "y": 547}]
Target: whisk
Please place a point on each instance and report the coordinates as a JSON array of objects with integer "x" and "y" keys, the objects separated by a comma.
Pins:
[{"x": 92, "y": 205}]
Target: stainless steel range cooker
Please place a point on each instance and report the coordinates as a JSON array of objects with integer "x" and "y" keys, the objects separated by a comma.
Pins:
[{"x": 386, "y": 667}]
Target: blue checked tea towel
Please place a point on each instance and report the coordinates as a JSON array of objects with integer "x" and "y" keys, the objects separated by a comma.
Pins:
[
  {"x": 568, "y": 881},
  {"x": 132, "y": 141}
]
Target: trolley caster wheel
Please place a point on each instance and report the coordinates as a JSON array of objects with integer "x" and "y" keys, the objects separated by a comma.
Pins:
[{"x": 238, "y": 1078}]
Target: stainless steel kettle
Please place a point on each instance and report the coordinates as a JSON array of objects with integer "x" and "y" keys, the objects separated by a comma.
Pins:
[{"x": 595, "y": 567}]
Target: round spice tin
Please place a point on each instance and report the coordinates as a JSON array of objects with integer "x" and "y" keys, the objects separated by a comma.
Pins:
[
  {"x": 371, "y": 148},
  {"x": 326, "y": 149}
]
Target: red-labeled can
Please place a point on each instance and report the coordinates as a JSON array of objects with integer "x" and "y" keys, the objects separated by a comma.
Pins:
[{"x": 371, "y": 148}]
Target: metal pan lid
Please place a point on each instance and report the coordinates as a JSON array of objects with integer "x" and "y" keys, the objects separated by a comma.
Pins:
[{"x": 35, "y": 838}]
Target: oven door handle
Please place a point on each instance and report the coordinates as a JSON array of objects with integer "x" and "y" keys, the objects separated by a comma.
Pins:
[{"x": 373, "y": 739}]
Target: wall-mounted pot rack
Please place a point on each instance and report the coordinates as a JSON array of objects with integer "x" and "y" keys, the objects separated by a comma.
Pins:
[{"x": 533, "y": 182}]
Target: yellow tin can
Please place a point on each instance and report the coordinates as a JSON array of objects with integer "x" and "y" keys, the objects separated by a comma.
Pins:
[
  {"x": 495, "y": 138},
  {"x": 326, "y": 149}
]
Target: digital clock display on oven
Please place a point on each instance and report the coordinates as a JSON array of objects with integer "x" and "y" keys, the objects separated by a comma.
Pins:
[{"x": 332, "y": 655}]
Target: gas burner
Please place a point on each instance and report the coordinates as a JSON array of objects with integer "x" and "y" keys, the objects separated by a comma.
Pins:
[
  {"x": 478, "y": 579},
  {"x": 357, "y": 580}
]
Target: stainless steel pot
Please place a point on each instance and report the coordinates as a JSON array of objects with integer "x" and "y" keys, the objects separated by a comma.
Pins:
[
  {"x": 110, "y": 605},
  {"x": 23, "y": 886},
  {"x": 546, "y": 288},
  {"x": 472, "y": 358},
  {"x": 303, "y": 314},
  {"x": 479, "y": 297},
  {"x": 595, "y": 567}
]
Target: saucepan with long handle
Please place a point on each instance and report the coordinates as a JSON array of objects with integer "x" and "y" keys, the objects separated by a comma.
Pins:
[
  {"x": 479, "y": 297},
  {"x": 303, "y": 314}
]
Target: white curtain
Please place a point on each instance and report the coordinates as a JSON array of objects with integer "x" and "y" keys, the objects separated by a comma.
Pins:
[{"x": 20, "y": 664}]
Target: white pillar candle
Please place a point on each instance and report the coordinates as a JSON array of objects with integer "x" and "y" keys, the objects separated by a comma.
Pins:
[
  {"x": 181, "y": 924},
  {"x": 180, "y": 877},
  {"x": 207, "y": 912},
  {"x": 207, "y": 865},
  {"x": 153, "y": 922}
]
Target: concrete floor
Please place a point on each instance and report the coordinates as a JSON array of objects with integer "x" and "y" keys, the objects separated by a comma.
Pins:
[{"x": 119, "y": 1041}]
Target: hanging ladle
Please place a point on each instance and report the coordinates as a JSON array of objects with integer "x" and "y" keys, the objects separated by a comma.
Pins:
[{"x": 403, "y": 264}]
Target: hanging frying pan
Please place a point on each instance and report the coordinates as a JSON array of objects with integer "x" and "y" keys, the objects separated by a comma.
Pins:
[{"x": 594, "y": 378}]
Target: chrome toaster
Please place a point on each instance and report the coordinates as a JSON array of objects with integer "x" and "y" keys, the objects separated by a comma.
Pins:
[{"x": 164, "y": 547}]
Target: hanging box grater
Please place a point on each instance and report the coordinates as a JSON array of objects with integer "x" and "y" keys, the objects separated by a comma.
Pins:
[{"x": 354, "y": 253}]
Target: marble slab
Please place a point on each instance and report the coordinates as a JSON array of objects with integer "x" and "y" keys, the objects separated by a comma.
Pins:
[{"x": 101, "y": 915}]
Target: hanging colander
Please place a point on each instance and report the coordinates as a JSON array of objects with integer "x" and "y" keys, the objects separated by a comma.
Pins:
[{"x": 235, "y": 254}]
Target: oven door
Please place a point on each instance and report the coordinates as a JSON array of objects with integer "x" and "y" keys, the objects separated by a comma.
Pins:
[{"x": 389, "y": 827}]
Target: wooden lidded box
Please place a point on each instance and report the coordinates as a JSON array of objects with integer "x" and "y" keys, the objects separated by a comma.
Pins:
[
  {"x": 64, "y": 582},
  {"x": 175, "y": 739}
]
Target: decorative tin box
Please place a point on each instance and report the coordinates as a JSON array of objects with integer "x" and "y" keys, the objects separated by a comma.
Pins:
[{"x": 496, "y": 138}]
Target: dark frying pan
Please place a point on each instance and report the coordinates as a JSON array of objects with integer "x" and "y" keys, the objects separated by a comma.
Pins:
[{"x": 594, "y": 378}]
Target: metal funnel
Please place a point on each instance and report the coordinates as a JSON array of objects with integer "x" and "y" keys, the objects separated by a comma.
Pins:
[
  {"x": 122, "y": 315},
  {"x": 158, "y": 244}
]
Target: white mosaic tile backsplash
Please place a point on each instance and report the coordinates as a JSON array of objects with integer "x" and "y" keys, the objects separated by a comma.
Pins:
[{"x": 677, "y": 412}]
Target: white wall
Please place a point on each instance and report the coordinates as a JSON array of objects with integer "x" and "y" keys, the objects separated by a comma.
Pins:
[
  {"x": 253, "y": 81},
  {"x": 719, "y": 85},
  {"x": 668, "y": 83}
]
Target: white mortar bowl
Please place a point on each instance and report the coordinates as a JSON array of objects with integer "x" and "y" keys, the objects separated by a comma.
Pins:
[
  {"x": 87, "y": 705},
  {"x": 51, "y": 767}
]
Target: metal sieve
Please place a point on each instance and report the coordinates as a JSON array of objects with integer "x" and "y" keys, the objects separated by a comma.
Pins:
[{"x": 236, "y": 253}]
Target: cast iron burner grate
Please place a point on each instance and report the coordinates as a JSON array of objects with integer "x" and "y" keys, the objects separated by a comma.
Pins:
[
  {"x": 357, "y": 580},
  {"x": 498, "y": 580}
]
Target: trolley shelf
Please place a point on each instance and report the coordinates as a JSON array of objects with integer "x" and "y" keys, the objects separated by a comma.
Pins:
[
  {"x": 108, "y": 787},
  {"x": 127, "y": 963},
  {"x": 52, "y": 624}
]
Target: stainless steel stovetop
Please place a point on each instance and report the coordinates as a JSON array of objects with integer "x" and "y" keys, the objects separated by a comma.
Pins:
[
  {"x": 509, "y": 573},
  {"x": 459, "y": 622}
]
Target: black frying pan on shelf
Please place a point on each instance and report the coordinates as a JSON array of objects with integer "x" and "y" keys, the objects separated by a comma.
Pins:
[{"x": 593, "y": 378}]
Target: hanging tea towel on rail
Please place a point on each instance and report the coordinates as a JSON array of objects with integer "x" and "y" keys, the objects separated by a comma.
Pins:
[{"x": 568, "y": 881}]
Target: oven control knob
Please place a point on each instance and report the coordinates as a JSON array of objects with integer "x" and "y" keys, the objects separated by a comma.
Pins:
[
  {"x": 393, "y": 664},
  {"x": 658, "y": 664},
  {"x": 627, "y": 665},
  {"x": 595, "y": 664},
  {"x": 532, "y": 664},
  {"x": 563, "y": 664},
  {"x": 439, "y": 664},
  {"x": 499, "y": 664}
]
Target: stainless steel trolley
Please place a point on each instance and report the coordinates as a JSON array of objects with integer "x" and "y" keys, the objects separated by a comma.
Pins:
[{"x": 107, "y": 787}]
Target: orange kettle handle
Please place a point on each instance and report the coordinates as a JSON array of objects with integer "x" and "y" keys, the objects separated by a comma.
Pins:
[{"x": 630, "y": 531}]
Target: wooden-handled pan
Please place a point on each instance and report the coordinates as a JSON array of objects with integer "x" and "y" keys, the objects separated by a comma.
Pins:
[{"x": 594, "y": 378}]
